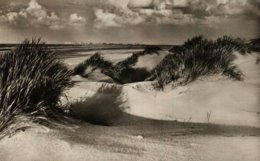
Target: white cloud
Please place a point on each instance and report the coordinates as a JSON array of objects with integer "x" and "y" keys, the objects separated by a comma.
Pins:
[
  {"x": 134, "y": 12},
  {"x": 12, "y": 16},
  {"x": 174, "y": 17},
  {"x": 3, "y": 19},
  {"x": 34, "y": 15},
  {"x": 121, "y": 17},
  {"x": 76, "y": 20},
  {"x": 41, "y": 17},
  {"x": 140, "y": 4},
  {"x": 106, "y": 19},
  {"x": 180, "y": 3}
]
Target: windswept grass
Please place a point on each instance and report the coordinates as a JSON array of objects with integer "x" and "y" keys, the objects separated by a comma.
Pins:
[
  {"x": 132, "y": 60},
  {"x": 31, "y": 81},
  {"x": 122, "y": 72},
  {"x": 124, "y": 69},
  {"x": 198, "y": 57},
  {"x": 95, "y": 61}
]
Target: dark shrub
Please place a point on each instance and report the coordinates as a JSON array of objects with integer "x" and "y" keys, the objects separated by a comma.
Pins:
[
  {"x": 130, "y": 75},
  {"x": 152, "y": 49},
  {"x": 254, "y": 44}
]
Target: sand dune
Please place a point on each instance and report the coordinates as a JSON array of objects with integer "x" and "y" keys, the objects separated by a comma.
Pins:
[
  {"x": 224, "y": 100},
  {"x": 136, "y": 132}
]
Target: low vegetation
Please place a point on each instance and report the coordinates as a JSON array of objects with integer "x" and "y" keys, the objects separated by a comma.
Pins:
[
  {"x": 95, "y": 61},
  {"x": 198, "y": 57},
  {"x": 32, "y": 80},
  {"x": 122, "y": 72},
  {"x": 132, "y": 60}
]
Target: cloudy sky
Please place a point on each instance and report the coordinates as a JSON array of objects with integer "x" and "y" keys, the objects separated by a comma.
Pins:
[{"x": 127, "y": 21}]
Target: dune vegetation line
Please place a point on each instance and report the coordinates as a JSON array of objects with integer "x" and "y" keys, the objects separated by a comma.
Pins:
[
  {"x": 197, "y": 57},
  {"x": 120, "y": 71}
]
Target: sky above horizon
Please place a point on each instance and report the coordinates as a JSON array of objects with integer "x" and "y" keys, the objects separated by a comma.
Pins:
[{"x": 127, "y": 21}]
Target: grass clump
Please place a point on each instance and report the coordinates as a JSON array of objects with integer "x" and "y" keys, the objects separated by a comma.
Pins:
[
  {"x": 32, "y": 80},
  {"x": 132, "y": 60},
  {"x": 122, "y": 72},
  {"x": 198, "y": 57},
  {"x": 125, "y": 71},
  {"x": 152, "y": 49},
  {"x": 95, "y": 61}
]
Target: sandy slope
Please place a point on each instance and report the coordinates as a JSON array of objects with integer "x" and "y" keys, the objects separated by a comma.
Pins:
[
  {"x": 226, "y": 101},
  {"x": 229, "y": 102}
]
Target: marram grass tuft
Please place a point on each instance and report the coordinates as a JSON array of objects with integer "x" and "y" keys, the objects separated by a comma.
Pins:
[{"x": 32, "y": 80}]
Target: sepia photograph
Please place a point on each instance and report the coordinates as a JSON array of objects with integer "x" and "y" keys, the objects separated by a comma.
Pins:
[{"x": 129, "y": 80}]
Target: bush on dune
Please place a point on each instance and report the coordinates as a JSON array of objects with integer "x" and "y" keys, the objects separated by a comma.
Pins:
[
  {"x": 198, "y": 57},
  {"x": 125, "y": 70},
  {"x": 31, "y": 81},
  {"x": 132, "y": 60},
  {"x": 122, "y": 72},
  {"x": 130, "y": 75},
  {"x": 225, "y": 43},
  {"x": 95, "y": 61},
  {"x": 152, "y": 49}
]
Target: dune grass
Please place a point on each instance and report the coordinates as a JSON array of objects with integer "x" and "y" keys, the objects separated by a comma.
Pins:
[
  {"x": 198, "y": 57},
  {"x": 95, "y": 61},
  {"x": 132, "y": 60},
  {"x": 122, "y": 72},
  {"x": 32, "y": 80}
]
